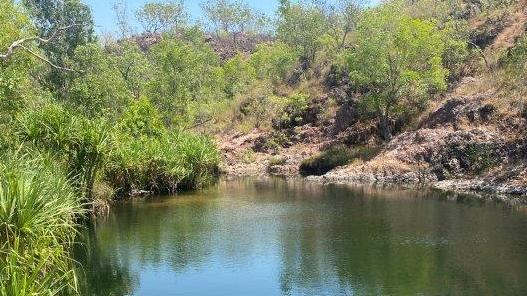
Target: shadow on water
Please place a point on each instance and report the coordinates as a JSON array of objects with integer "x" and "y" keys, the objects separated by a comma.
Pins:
[{"x": 277, "y": 237}]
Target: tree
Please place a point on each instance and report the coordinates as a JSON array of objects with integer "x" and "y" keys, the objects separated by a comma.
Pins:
[
  {"x": 342, "y": 17},
  {"x": 273, "y": 61},
  {"x": 238, "y": 75},
  {"x": 120, "y": 9},
  {"x": 232, "y": 18},
  {"x": 301, "y": 27},
  {"x": 50, "y": 16},
  {"x": 100, "y": 90},
  {"x": 133, "y": 64},
  {"x": 397, "y": 63},
  {"x": 14, "y": 68},
  {"x": 188, "y": 75},
  {"x": 158, "y": 17}
]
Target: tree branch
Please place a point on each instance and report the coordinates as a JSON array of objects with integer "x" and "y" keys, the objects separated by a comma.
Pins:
[
  {"x": 46, "y": 60},
  {"x": 20, "y": 44}
]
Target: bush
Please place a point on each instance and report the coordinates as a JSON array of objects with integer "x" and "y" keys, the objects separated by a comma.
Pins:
[
  {"x": 277, "y": 160},
  {"x": 273, "y": 62},
  {"x": 161, "y": 165},
  {"x": 326, "y": 161},
  {"x": 515, "y": 65},
  {"x": 79, "y": 144},
  {"x": 294, "y": 113}
]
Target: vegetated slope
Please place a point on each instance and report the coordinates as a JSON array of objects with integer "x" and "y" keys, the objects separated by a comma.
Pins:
[{"x": 472, "y": 138}]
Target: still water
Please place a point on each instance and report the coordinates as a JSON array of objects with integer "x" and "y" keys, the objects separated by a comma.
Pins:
[{"x": 276, "y": 237}]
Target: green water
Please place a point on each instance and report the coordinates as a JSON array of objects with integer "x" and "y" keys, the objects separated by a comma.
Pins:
[{"x": 272, "y": 237}]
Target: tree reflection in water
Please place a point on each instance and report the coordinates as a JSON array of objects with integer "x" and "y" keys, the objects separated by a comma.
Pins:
[{"x": 276, "y": 237}]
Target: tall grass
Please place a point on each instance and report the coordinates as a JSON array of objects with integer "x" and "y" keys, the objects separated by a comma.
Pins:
[
  {"x": 38, "y": 210},
  {"x": 79, "y": 144},
  {"x": 161, "y": 164}
]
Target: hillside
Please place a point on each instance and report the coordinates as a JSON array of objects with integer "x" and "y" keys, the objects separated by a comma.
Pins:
[{"x": 469, "y": 138}]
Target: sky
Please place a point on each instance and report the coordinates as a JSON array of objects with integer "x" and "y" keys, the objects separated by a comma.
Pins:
[{"x": 105, "y": 20}]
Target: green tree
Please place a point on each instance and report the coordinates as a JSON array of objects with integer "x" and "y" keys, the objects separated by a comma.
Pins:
[
  {"x": 99, "y": 90},
  {"x": 164, "y": 17},
  {"x": 133, "y": 64},
  {"x": 273, "y": 61},
  {"x": 342, "y": 17},
  {"x": 15, "y": 68},
  {"x": 232, "y": 17},
  {"x": 397, "y": 63},
  {"x": 188, "y": 75},
  {"x": 49, "y": 16},
  {"x": 238, "y": 75},
  {"x": 142, "y": 119},
  {"x": 301, "y": 26}
]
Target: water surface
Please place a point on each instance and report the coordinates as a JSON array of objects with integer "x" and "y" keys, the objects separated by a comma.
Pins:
[{"x": 275, "y": 237}]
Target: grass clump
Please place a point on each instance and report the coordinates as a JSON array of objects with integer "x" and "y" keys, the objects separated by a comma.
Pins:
[
  {"x": 38, "y": 210},
  {"x": 79, "y": 144},
  {"x": 326, "y": 161},
  {"x": 177, "y": 161}
]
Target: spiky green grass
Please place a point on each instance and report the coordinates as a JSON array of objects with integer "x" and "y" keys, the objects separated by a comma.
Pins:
[{"x": 38, "y": 210}]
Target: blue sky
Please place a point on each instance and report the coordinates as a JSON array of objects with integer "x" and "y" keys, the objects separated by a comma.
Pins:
[{"x": 105, "y": 18}]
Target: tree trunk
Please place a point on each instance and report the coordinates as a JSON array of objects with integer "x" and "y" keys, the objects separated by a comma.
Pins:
[{"x": 385, "y": 128}]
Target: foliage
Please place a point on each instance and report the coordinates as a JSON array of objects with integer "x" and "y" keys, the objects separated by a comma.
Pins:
[
  {"x": 162, "y": 17},
  {"x": 142, "y": 119},
  {"x": 79, "y": 144},
  {"x": 397, "y": 63},
  {"x": 133, "y": 64},
  {"x": 100, "y": 89},
  {"x": 301, "y": 27},
  {"x": 273, "y": 61},
  {"x": 238, "y": 75},
  {"x": 293, "y": 113},
  {"x": 326, "y": 161},
  {"x": 14, "y": 73},
  {"x": 342, "y": 17},
  {"x": 38, "y": 209},
  {"x": 229, "y": 17},
  {"x": 162, "y": 165},
  {"x": 49, "y": 16},
  {"x": 515, "y": 65},
  {"x": 186, "y": 73}
]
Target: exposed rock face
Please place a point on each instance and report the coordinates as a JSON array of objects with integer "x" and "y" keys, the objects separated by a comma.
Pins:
[{"x": 226, "y": 47}]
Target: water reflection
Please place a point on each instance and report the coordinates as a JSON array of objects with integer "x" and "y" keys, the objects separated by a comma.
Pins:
[{"x": 275, "y": 237}]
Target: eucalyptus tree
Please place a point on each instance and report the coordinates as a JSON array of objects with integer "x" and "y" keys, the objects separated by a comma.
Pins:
[
  {"x": 162, "y": 17},
  {"x": 74, "y": 19},
  {"x": 233, "y": 17},
  {"x": 342, "y": 17},
  {"x": 301, "y": 26}
]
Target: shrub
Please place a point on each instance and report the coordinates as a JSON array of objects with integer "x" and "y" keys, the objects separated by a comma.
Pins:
[
  {"x": 326, "y": 161},
  {"x": 294, "y": 113},
  {"x": 78, "y": 143},
  {"x": 38, "y": 210},
  {"x": 515, "y": 65},
  {"x": 273, "y": 61},
  {"x": 161, "y": 165},
  {"x": 277, "y": 160}
]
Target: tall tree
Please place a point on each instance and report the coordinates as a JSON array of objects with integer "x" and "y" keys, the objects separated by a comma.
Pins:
[
  {"x": 397, "y": 63},
  {"x": 120, "y": 9},
  {"x": 342, "y": 17},
  {"x": 159, "y": 17},
  {"x": 232, "y": 18},
  {"x": 301, "y": 26},
  {"x": 49, "y": 16}
]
